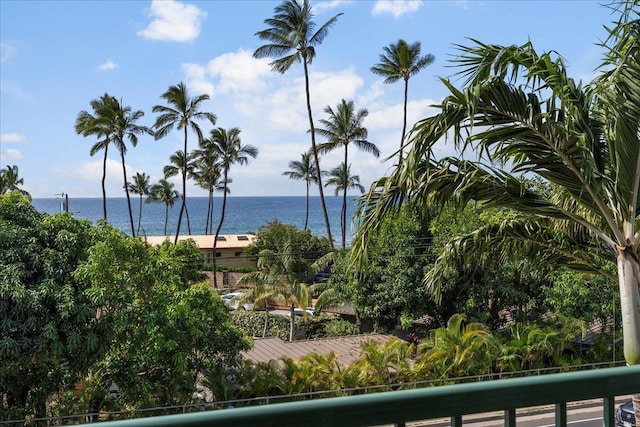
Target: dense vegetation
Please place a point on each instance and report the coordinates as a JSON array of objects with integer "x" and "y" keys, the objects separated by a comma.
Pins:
[{"x": 85, "y": 308}]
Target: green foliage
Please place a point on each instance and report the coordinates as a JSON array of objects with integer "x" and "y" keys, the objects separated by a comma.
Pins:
[
  {"x": 167, "y": 329},
  {"x": 583, "y": 296},
  {"x": 307, "y": 246},
  {"x": 50, "y": 332},
  {"x": 339, "y": 328},
  {"x": 391, "y": 286},
  {"x": 86, "y": 307},
  {"x": 252, "y": 323}
]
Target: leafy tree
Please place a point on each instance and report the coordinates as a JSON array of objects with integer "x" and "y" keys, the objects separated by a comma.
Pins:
[
  {"x": 11, "y": 181},
  {"x": 589, "y": 297},
  {"x": 529, "y": 116},
  {"x": 168, "y": 327},
  {"x": 305, "y": 170},
  {"x": 163, "y": 192},
  {"x": 140, "y": 186},
  {"x": 343, "y": 128},
  {"x": 402, "y": 61},
  {"x": 291, "y": 33},
  {"x": 182, "y": 112},
  {"x": 50, "y": 334},
  {"x": 308, "y": 247},
  {"x": 227, "y": 146}
]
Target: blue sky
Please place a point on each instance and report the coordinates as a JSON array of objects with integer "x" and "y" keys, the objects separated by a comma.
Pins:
[{"x": 56, "y": 56}]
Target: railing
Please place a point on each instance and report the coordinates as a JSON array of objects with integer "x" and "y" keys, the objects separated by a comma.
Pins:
[{"x": 399, "y": 407}]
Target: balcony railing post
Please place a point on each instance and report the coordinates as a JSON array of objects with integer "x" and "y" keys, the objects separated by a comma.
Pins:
[
  {"x": 561, "y": 414},
  {"x": 510, "y": 418},
  {"x": 609, "y": 414},
  {"x": 456, "y": 421}
]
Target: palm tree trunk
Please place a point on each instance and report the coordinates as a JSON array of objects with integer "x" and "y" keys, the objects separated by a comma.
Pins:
[
  {"x": 291, "y": 321},
  {"x": 306, "y": 214},
  {"x": 404, "y": 122},
  {"x": 215, "y": 239},
  {"x": 266, "y": 321},
  {"x": 207, "y": 221},
  {"x": 166, "y": 218},
  {"x": 186, "y": 211},
  {"x": 126, "y": 190},
  {"x": 315, "y": 152},
  {"x": 343, "y": 213},
  {"x": 104, "y": 178},
  {"x": 184, "y": 187},
  {"x": 629, "y": 283},
  {"x": 139, "y": 215}
]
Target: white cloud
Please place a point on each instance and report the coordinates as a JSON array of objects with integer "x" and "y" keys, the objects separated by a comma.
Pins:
[
  {"x": 330, "y": 5},
  {"x": 196, "y": 79},
  {"x": 396, "y": 8},
  {"x": 6, "y": 51},
  {"x": 108, "y": 66},
  {"x": 12, "y": 154},
  {"x": 92, "y": 171},
  {"x": 12, "y": 137},
  {"x": 173, "y": 21},
  {"x": 239, "y": 71}
]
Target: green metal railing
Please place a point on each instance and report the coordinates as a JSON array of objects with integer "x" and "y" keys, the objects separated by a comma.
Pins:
[{"x": 399, "y": 407}]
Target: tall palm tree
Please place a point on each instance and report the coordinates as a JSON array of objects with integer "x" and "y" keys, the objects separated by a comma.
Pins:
[
  {"x": 519, "y": 108},
  {"x": 342, "y": 128},
  {"x": 341, "y": 178},
  {"x": 125, "y": 128},
  {"x": 228, "y": 147},
  {"x": 401, "y": 61},
  {"x": 140, "y": 186},
  {"x": 277, "y": 278},
  {"x": 11, "y": 181},
  {"x": 163, "y": 192},
  {"x": 291, "y": 38},
  {"x": 180, "y": 164},
  {"x": 208, "y": 175},
  {"x": 99, "y": 124},
  {"x": 305, "y": 170},
  {"x": 182, "y": 112}
]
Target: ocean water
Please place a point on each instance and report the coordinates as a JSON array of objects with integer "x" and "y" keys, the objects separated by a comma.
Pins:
[{"x": 242, "y": 215}]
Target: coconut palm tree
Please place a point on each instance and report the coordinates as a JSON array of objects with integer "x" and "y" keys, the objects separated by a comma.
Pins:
[
  {"x": 340, "y": 177},
  {"x": 11, "y": 181},
  {"x": 228, "y": 147},
  {"x": 277, "y": 279},
  {"x": 520, "y": 109},
  {"x": 125, "y": 128},
  {"x": 99, "y": 124},
  {"x": 163, "y": 192},
  {"x": 342, "y": 128},
  {"x": 401, "y": 61},
  {"x": 182, "y": 112},
  {"x": 178, "y": 164},
  {"x": 291, "y": 38},
  {"x": 305, "y": 170},
  {"x": 140, "y": 186},
  {"x": 208, "y": 175}
]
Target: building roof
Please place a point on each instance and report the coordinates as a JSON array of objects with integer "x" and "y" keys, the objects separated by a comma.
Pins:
[
  {"x": 227, "y": 241},
  {"x": 346, "y": 348}
]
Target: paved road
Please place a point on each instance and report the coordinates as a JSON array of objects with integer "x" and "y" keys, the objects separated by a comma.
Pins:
[{"x": 579, "y": 414}]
